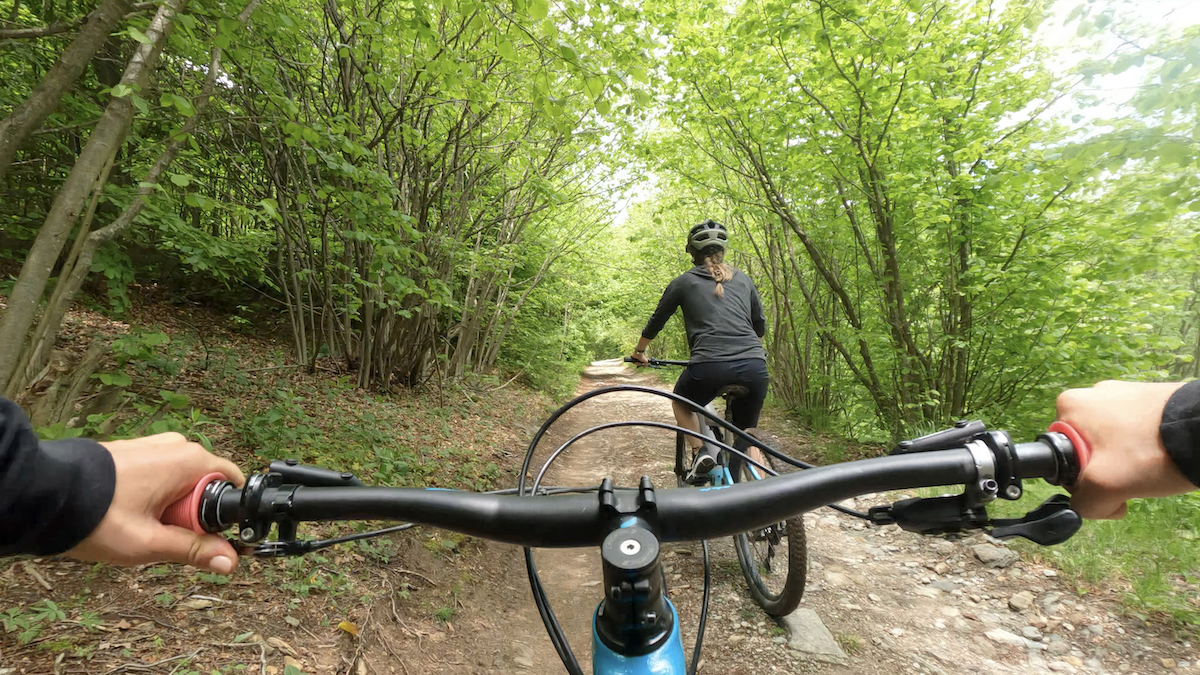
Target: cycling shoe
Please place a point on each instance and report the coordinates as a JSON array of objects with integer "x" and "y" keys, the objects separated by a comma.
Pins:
[{"x": 703, "y": 463}]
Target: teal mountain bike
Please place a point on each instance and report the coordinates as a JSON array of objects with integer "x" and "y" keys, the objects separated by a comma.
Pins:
[
  {"x": 635, "y": 628},
  {"x": 774, "y": 558}
]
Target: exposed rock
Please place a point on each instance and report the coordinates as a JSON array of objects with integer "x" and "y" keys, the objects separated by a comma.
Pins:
[
  {"x": 808, "y": 635},
  {"x": 1001, "y": 636},
  {"x": 522, "y": 655},
  {"x": 1021, "y": 601},
  {"x": 994, "y": 556}
]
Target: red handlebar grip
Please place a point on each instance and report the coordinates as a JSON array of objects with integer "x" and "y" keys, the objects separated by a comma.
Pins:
[
  {"x": 1083, "y": 452},
  {"x": 185, "y": 513}
]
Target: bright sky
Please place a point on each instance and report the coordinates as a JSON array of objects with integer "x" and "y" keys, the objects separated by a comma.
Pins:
[
  {"x": 1160, "y": 17},
  {"x": 1163, "y": 17}
]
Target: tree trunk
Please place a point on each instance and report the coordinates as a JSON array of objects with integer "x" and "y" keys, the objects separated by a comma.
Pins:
[
  {"x": 103, "y": 142},
  {"x": 75, "y": 272},
  {"x": 28, "y": 116}
]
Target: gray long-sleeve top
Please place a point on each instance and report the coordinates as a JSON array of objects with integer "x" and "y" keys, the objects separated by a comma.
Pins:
[{"x": 718, "y": 329}]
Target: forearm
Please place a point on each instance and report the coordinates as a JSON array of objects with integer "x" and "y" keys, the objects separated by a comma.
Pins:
[
  {"x": 53, "y": 494},
  {"x": 643, "y": 343}
]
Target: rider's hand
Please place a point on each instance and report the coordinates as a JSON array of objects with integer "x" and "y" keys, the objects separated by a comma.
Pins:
[
  {"x": 1120, "y": 421},
  {"x": 640, "y": 357},
  {"x": 152, "y": 473}
]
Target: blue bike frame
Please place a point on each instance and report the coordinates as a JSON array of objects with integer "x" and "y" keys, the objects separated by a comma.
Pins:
[{"x": 668, "y": 659}]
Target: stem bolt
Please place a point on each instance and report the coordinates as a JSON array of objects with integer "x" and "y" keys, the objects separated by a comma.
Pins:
[
  {"x": 247, "y": 534},
  {"x": 1012, "y": 492},
  {"x": 630, "y": 546}
]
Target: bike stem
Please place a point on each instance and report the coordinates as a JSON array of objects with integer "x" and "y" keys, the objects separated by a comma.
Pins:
[{"x": 634, "y": 618}]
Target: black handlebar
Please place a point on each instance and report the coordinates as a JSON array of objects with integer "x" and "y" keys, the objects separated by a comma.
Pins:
[
  {"x": 655, "y": 363},
  {"x": 585, "y": 519}
]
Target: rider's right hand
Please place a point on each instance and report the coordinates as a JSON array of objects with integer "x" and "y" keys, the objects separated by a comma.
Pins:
[
  {"x": 1120, "y": 421},
  {"x": 640, "y": 357}
]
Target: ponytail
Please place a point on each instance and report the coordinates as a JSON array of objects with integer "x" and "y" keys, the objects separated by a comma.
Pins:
[{"x": 720, "y": 271}]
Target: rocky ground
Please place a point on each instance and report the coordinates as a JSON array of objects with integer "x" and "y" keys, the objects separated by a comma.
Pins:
[{"x": 888, "y": 601}]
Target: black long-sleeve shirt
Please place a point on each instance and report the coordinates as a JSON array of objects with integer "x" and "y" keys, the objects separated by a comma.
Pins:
[
  {"x": 52, "y": 493},
  {"x": 724, "y": 328},
  {"x": 1180, "y": 430}
]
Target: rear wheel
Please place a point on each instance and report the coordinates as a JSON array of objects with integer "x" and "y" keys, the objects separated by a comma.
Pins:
[{"x": 774, "y": 559}]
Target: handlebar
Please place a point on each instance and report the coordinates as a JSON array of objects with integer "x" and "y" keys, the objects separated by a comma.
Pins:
[
  {"x": 655, "y": 363},
  {"x": 989, "y": 465}
]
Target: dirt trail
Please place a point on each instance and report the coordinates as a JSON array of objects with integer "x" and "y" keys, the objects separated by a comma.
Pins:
[{"x": 896, "y": 602}]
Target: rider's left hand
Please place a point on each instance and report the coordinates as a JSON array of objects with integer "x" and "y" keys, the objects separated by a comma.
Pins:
[
  {"x": 640, "y": 357},
  {"x": 152, "y": 473}
]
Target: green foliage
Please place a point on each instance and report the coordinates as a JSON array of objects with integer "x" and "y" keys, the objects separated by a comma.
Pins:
[
  {"x": 28, "y": 622},
  {"x": 930, "y": 242},
  {"x": 1151, "y": 553},
  {"x": 117, "y": 269}
]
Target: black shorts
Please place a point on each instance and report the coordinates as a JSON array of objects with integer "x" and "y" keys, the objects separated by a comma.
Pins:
[{"x": 700, "y": 382}]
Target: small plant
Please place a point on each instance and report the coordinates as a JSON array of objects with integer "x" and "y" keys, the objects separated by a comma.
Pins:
[
  {"x": 442, "y": 543},
  {"x": 380, "y": 550},
  {"x": 90, "y": 621},
  {"x": 28, "y": 623},
  {"x": 853, "y": 644},
  {"x": 444, "y": 614},
  {"x": 164, "y": 599}
]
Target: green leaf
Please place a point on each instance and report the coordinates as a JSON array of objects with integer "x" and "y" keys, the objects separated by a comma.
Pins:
[
  {"x": 594, "y": 86},
  {"x": 183, "y": 105},
  {"x": 140, "y": 104},
  {"x": 181, "y": 179},
  {"x": 121, "y": 91},
  {"x": 505, "y": 49},
  {"x": 538, "y": 9},
  {"x": 568, "y": 53},
  {"x": 114, "y": 379},
  {"x": 140, "y": 36}
]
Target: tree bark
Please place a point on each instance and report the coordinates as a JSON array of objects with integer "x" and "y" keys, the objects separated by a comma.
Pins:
[
  {"x": 74, "y": 273},
  {"x": 28, "y": 116},
  {"x": 103, "y": 142}
]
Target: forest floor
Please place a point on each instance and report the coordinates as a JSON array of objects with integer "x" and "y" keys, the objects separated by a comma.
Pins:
[{"x": 426, "y": 601}]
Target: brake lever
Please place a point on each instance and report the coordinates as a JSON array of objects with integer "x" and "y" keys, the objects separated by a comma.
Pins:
[
  {"x": 954, "y": 437},
  {"x": 1051, "y": 523}
]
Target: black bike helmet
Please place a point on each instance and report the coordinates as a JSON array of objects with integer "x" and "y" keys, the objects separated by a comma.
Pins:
[{"x": 707, "y": 234}]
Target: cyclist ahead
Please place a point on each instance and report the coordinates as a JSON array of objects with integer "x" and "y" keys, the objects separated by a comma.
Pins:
[{"x": 724, "y": 320}]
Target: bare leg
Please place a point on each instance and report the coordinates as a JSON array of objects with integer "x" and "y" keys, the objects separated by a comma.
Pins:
[{"x": 688, "y": 420}]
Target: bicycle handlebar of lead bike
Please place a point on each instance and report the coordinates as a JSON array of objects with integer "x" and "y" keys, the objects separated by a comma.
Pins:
[
  {"x": 585, "y": 519},
  {"x": 655, "y": 363}
]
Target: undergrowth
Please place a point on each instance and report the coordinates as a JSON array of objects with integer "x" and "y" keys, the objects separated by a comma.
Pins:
[
  {"x": 1150, "y": 559},
  {"x": 239, "y": 394}
]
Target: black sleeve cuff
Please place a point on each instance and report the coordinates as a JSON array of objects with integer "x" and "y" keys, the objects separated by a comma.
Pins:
[
  {"x": 52, "y": 494},
  {"x": 1180, "y": 430}
]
